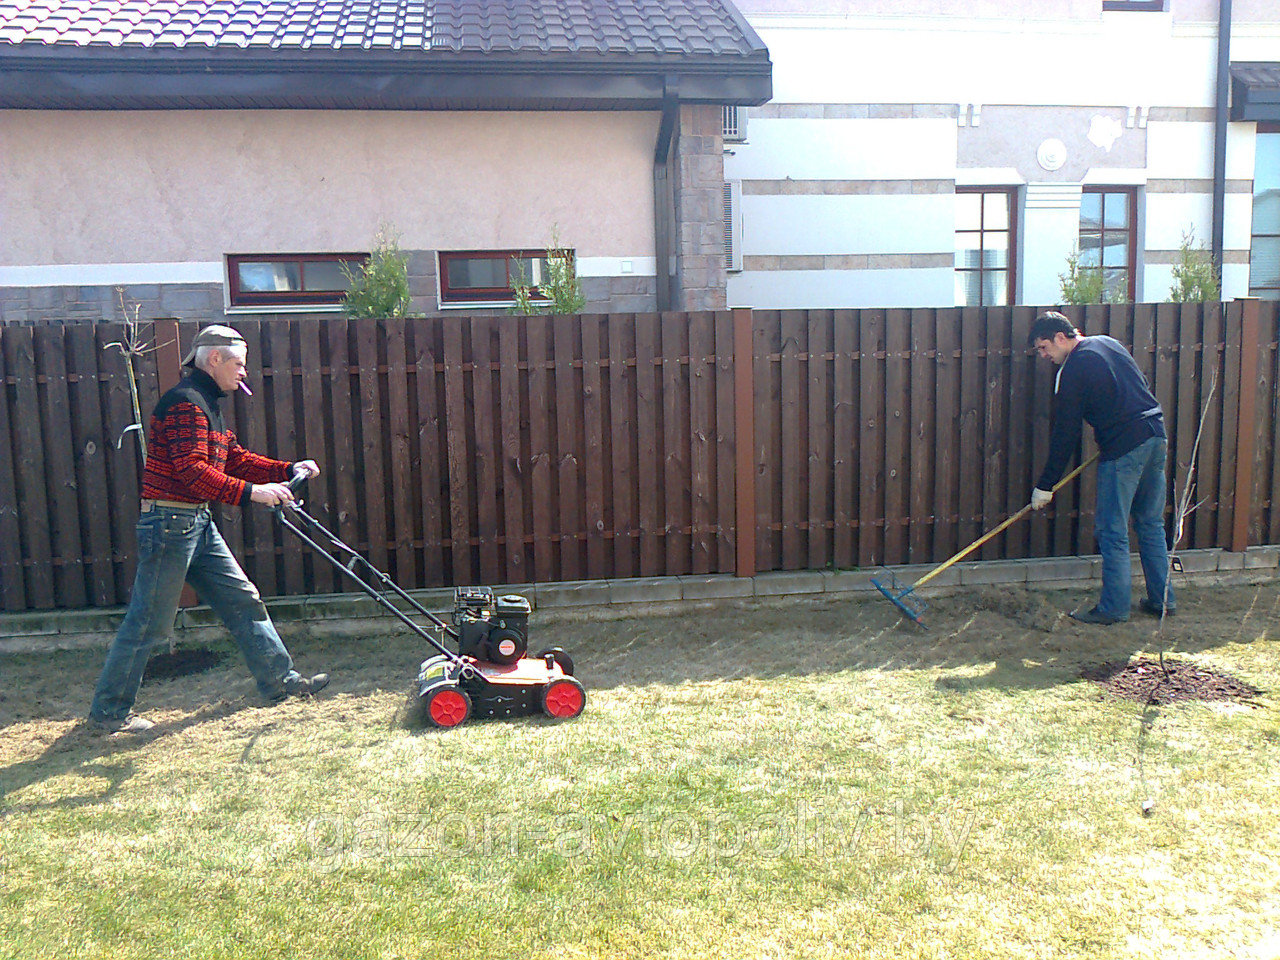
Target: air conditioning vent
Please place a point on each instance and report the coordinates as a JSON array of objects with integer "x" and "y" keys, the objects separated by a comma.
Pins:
[
  {"x": 735, "y": 124},
  {"x": 733, "y": 225}
]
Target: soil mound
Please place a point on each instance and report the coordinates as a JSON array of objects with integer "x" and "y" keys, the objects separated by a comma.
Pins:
[
  {"x": 1146, "y": 681},
  {"x": 181, "y": 663}
]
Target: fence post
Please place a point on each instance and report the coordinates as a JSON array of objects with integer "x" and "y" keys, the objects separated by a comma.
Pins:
[
  {"x": 1246, "y": 425},
  {"x": 744, "y": 414}
]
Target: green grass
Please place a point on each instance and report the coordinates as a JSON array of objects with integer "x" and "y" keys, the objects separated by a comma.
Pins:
[{"x": 800, "y": 779}]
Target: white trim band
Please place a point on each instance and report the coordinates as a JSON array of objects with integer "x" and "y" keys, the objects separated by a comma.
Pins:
[{"x": 111, "y": 274}]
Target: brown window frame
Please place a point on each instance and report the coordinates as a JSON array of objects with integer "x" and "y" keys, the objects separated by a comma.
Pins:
[
  {"x": 1011, "y": 268},
  {"x": 507, "y": 294},
  {"x": 1131, "y": 204},
  {"x": 286, "y": 298}
]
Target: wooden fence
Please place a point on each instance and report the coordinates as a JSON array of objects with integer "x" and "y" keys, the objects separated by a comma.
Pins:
[{"x": 516, "y": 450}]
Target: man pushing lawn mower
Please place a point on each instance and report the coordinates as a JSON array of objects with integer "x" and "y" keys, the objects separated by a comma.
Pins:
[
  {"x": 1098, "y": 381},
  {"x": 192, "y": 459}
]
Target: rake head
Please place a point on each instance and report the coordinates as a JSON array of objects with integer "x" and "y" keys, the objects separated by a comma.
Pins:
[{"x": 901, "y": 596}]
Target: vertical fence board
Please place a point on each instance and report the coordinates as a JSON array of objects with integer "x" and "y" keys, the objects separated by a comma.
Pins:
[
  {"x": 594, "y": 464},
  {"x": 1209, "y": 461},
  {"x": 317, "y": 573},
  {"x": 431, "y": 456},
  {"x": 1165, "y": 384},
  {"x": 702, "y": 462},
  {"x": 459, "y": 456},
  {"x": 675, "y": 441},
  {"x": 542, "y": 487},
  {"x": 487, "y": 459},
  {"x": 844, "y": 481},
  {"x": 1020, "y": 478},
  {"x": 60, "y": 471},
  {"x": 568, "y": 445},
  {"x": 372, "y": 449},
  {"x": 124, "y": 463},
  {"x": 626, "y": 476},
  {"x": 897, "y": 434},
  {"x": 766, "y": 454},
  {"x": 285, "y": 442},
  {"x": 396, "y": 436},
  {"x": 257, "y": 522},
  {"x": 946, "y": 487},
  {"x": 1267, "y": 473},
  {"x": 91, "y": 442},
  {"x": 31, "y": 469},
  {"x": 513, "y": 473},
  {"x": 1232, "y": 315},
  {"x": 818, "y": 515},
  {"x": 871, "y": 406},
  {"x": 13, "y": 589},
  {"x": 971, "y": 419},
  {"x": 649, "y": 480},
  {"x": 996, "y": 427},
  {"x": 725, "y": 450},
  {"x": 923, "y": 473},
  {"x": 793, "y": 466}
]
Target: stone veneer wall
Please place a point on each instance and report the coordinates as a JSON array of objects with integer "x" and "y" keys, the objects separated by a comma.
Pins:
[{"x": 701, "y": 278}]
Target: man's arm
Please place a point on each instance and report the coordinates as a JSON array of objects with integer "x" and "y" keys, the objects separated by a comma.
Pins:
[{"x": 1068, "y": 423}]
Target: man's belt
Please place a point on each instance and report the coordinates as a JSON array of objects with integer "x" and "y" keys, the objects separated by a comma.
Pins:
[{"x": 149, "y": 505}]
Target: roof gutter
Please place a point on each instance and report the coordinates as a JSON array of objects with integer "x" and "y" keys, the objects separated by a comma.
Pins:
[{"x": 1220, "y": 137}]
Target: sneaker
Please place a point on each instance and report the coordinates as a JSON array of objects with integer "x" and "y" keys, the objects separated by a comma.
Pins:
[
  {"x": 131, "y": 724},
  {"x": 302, "y": 687},
  {"x": 1093, "y": 616},
  {"x": 1146, "y": 606}
]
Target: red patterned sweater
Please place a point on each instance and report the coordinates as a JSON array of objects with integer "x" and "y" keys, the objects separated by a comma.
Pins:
[{"x": 193, "y": 457}]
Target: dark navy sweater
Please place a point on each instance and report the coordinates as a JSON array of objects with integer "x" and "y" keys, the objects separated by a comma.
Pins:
[{"x": 1100, "y": 383}]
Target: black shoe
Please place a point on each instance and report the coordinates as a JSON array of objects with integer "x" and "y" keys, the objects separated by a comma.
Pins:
[
  {"x": 1146, "y": 606},
  {"x": 131, "y": 724},
  {"x": 302, "y": 687},
  {"x": 1093, "y": 616}
]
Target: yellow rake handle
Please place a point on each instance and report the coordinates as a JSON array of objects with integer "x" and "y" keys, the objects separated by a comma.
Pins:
[{"x": 991, "y": 533}]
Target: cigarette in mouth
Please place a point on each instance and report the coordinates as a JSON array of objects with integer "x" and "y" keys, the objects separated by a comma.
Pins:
[{"x": 245, "y": 387}]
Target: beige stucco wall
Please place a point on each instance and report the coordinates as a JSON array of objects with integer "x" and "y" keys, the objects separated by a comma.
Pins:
[{"x": 188, "y": 186}]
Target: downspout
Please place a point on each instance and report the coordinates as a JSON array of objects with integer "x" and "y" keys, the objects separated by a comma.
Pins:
[
  {"x": 663, "y": 195},
  {"x": 1220, "y": 137}
]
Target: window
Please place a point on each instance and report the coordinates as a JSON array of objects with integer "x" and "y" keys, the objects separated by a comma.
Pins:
[
  {"x": 1108, "y": 233},
  {"x": 290, "y": 279},
  {"x": 986, "y": 230},
  {"x": 488, "y": 275},
  {"x": 1264, "y": 247},
  {"x": 734, "y": 124}
]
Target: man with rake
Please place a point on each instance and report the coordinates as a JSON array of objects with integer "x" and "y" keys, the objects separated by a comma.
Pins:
[
  {"x": 193, "y": 459},
  {"x": 1099, "y": 381}
]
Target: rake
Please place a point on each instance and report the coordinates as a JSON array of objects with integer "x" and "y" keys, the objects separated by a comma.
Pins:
[{"x": 913, "y": 608}]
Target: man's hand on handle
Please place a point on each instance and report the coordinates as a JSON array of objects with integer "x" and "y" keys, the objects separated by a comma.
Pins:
[
  {"x": 306, "y": 468},
  {"x": 272, "y": 494},
  {"x": 1040, "y": 498}
]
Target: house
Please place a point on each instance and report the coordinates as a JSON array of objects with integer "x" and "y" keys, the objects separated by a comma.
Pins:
[
  {"x": 218, "y": 159},
  {"x": 926, "y": 153}
]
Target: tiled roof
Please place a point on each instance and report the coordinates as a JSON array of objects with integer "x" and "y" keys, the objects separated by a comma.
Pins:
[{"x": 700, "y": 28}]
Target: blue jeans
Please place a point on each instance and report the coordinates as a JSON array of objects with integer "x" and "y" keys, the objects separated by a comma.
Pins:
[
  {"x": 1132, "y": 487},
  {"x": 177, "y": 545}
]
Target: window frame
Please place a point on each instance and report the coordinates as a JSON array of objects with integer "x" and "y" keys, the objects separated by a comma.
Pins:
[
  {"x": 270, "y": 299},
  {"x": 1131, "y": 215},
  {"x": 1011, "y": 267},
  {"x": 450, "y": 297},
  {"x": 1148, "y": 6},
  {"x": 1272, "y": 129}
]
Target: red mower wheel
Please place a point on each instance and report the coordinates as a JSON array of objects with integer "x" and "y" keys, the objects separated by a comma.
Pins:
[
  {"x": 447, "y": 706},
  {"x": 563, "y": 699}
]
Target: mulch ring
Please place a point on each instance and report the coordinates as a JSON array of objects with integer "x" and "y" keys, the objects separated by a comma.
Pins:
[
  {"x": 1145, "y": 681},
  {"x": 181, "y": 663}
]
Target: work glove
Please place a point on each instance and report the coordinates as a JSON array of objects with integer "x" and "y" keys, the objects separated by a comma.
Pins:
[{"x": 1040, "y": 498}]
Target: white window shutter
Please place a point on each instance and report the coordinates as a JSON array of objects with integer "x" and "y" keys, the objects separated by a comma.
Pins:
[
  {"x": 734, "y": 122},
  {"x": 733, "y": 224}
]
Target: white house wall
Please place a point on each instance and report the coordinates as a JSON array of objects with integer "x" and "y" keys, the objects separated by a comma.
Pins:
[{"x": 881, "y": 108}]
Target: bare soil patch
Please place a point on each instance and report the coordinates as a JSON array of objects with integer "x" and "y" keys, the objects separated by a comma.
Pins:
[
  {"x": 1146, "y": 681},
  {"x": 182, "y": 662}
]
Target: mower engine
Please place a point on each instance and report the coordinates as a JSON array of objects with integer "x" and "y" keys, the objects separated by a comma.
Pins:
[{"x": 496, "y": 631}]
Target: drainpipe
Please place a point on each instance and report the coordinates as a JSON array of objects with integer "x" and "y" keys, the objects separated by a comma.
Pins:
[
  {"x": 663, "y": 193},
  {"x": 1220, "y": 136}
]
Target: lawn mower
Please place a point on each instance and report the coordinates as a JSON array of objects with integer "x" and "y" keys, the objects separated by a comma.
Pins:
[{"x": 490, "y": 674}]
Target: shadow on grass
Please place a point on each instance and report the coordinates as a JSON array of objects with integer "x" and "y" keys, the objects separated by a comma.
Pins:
[{"x": 985, "y": 638}]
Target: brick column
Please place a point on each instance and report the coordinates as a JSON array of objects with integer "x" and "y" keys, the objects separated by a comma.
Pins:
[{"x": 699, "y": 209}]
